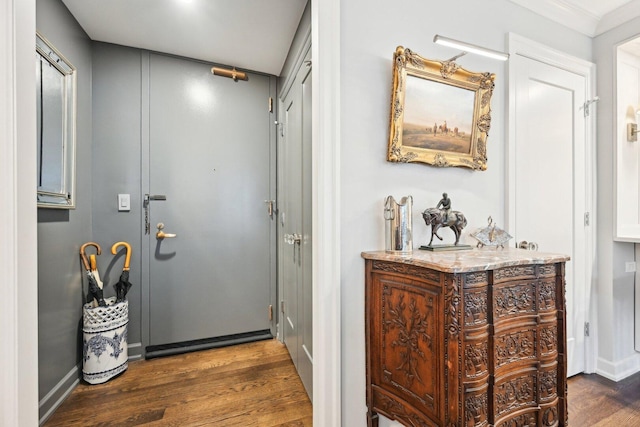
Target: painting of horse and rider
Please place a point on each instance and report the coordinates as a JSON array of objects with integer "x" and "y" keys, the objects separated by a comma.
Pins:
[
  {"x": 440, "y": 112},
  {"x": 437, "y": 117}
]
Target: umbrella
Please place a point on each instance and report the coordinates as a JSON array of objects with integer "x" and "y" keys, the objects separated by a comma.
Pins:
[
  {"x": 94, "y": 270},
  {"x": 123, "y": 285},
  {"x": 95, "y": 294}
]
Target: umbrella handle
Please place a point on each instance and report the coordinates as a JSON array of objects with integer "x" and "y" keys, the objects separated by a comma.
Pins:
[
  {"x": 94, "y": 262},
  {"x": 127, "y": 259},
  {"x": 85, "y": 261}
]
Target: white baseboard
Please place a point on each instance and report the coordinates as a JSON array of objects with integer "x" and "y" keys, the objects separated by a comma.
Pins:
[
  {"x": 617, "y": 371},
  {"x": 57, "y": 395}
]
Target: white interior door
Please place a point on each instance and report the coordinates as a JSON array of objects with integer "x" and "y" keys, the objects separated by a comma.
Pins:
[{"x": 548, "y": 179}]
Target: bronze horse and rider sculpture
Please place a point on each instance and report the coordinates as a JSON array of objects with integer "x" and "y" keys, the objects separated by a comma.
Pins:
[{"x": 438, "y": 218}]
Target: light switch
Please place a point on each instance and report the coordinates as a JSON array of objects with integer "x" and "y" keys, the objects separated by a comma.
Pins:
[
  {"x": 629, "y": 267},
  {"x": 124, "y": 202}
]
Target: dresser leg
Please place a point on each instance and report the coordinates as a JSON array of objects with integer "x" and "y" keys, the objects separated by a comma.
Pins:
[{"x": 372, "y": 419}]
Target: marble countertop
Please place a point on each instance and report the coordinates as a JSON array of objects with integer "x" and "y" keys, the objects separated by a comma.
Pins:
[{"x": 469, "y": 260}]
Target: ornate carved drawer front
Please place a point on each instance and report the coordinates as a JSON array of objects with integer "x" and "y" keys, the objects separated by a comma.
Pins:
[
  {"x": 547, "y": 295},
  {"x": 516, "y": 345},
  {"x": 521, "y": 272},
  {"x": 476, "y": 406},
  {"x": 515, "y": 393},
  {"x": 525, "y": 419},
  {"x": 514, "y": 299},
  {"x": 475, "y": 306}
]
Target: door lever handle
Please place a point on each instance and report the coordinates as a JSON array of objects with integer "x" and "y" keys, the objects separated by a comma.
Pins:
[{"x": 162, "y": 235}]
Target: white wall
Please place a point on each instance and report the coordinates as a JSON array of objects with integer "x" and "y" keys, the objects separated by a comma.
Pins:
[
  {"x": 371, "y": 30},
  {"x": 615, "y": 299}
]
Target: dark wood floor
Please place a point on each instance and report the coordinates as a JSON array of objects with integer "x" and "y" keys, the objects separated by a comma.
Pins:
[
  {"x": 596, "y": 401},
  {"x": 256, "y": 385},
  {"x": 247, "y": 385}
]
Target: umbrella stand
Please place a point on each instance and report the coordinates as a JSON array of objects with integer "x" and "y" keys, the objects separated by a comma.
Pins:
[
  {"x": 105, "y": 328},
  {"x": 95, "y": 294},
  {"x": 123, "y": 285}
]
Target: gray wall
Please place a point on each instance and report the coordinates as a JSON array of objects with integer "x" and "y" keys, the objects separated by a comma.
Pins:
[
  {"x": 117, "y": 169},
  {"x": 62, "y": 232}
]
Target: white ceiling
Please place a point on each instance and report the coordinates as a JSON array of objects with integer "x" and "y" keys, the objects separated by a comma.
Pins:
[
  {"x": 248, "y": 34},
  {"x": 590, "y": 17},
  {"x": 256, "y": 34}
]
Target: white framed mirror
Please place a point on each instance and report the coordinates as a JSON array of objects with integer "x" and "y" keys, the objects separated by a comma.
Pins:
[{"x": 56, "y": 121}]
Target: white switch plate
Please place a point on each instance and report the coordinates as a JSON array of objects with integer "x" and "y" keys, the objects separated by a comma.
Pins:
[
  {"x": 124, "y": 202},
  {"x": 630, "y": 267}
]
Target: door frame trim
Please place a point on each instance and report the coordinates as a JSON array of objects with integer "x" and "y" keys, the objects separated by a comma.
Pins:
[
  {"x": 527, "y": 48},
  {"x": 18, "y": 215},
  {"x": 325, "y": 53}
]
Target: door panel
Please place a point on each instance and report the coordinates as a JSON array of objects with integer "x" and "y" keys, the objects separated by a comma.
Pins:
[
  {"x": 210, "y": 155},
  {"x": 295, "y": 204},
  {"x": 550, "y": 180},
  {"x": 291, "y": 218}
]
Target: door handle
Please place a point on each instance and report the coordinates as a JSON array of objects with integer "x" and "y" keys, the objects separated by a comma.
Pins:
[
  {"x": 532, "y": 246},
  {"x": 162, "y": 235},
  {"x": 147, "y": 198},
  {"x": 294, "y": 239}
]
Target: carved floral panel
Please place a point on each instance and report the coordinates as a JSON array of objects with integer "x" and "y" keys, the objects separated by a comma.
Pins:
[
  {"x": 547, "y": 295},
  {"x": 475, "y": 307},
  {"x": 476, "y": 410},
  {"x": 514, "y": 394},
  {"x": 515, "y": 346},
  {"x": 476, "y": 359},
  {"x": 409, "y": 343},
  {"x": 514, "y": 299}
]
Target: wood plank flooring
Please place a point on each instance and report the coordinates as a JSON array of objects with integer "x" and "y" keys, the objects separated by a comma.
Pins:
[
  {"x": 256, "y": 385},
  {"x": 251, "y": 384},
  {"x": 595, "y": 401}
]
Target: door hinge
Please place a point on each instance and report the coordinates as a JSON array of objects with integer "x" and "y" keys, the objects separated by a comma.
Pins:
[
  {"x": 586, "y": 104},
  {"x": 586, "y": 329},
  {"x": 270, "y": 311},
  {"x": 282, "y": 306},
  {"x": 270, "y": 207},
  {"x": 270, "y": 104},
  {"x": 587, "y": 218}
]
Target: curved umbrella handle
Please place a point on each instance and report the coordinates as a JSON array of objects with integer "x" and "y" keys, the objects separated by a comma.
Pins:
[
  {"x": 85, "y": 261},
  {"x": 127, "y": 259}
]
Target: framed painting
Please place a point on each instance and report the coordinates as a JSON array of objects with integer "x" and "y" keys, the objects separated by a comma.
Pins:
[{"x": 440, "y": 112}]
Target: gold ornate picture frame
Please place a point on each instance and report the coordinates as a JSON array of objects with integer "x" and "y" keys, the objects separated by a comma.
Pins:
[{"x": 440, "y": 112}]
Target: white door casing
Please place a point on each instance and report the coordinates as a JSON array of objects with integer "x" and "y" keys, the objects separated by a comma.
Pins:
[{"x": 550, "y": 181}]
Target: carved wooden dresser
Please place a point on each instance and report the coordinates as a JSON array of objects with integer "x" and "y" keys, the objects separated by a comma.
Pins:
[{"x": 466, "y": 338}]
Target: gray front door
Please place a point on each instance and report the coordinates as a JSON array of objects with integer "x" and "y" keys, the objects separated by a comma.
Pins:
[{"x": 211, "y": 156}]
